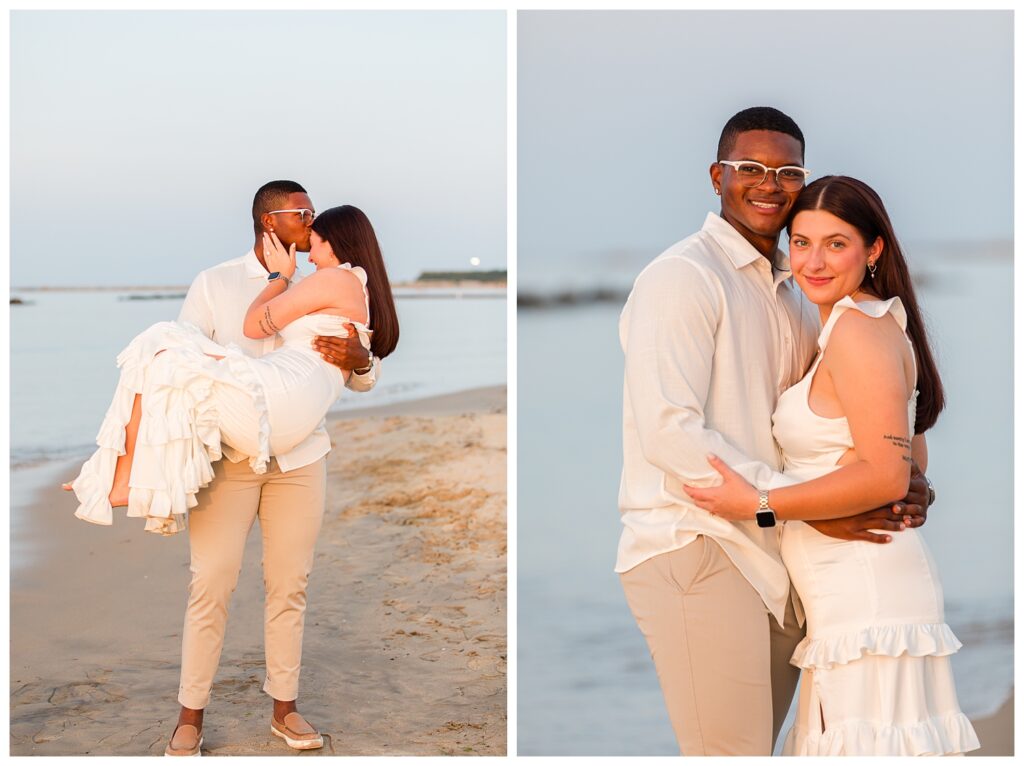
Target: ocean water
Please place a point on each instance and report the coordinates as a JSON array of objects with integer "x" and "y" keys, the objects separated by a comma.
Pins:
[
  {"x": 63, "y": 347},
  {"x": 586, "y": 684}
]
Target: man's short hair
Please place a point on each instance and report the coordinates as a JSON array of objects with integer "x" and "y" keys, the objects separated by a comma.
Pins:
[
  {"x": 271, "y": 196},
  {"x": 757, "y": 118}
]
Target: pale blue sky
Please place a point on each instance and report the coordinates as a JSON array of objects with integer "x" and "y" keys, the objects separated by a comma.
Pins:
[
  {"x": 139, "y": 137},
  {"x": 620, "y": 113}
]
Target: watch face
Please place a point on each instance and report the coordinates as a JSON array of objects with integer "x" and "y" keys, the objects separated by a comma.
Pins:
[{"x": 765, "y": 518}]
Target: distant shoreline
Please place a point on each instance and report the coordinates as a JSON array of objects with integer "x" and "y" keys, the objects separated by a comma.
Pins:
[
  {"x": 21, "y": 296},
  {"x": 428, "y": 286}
]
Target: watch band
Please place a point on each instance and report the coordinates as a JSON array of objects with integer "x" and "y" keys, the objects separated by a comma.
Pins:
[
  {"x": 765, "y": 515},
  {"x": 367, "y": 368}
]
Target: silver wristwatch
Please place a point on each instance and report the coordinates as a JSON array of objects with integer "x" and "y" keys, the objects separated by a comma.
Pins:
[
  {"x": 367, "y": 368},
  {"x": 765, "y": 516},
  {"x": 278, "y": 275}
]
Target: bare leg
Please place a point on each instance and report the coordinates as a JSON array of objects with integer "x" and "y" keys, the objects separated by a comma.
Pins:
[
  {"x": 189, "y": 716},
  {"x": 281, "y": 709},
  {"x": 123, "y": 469}
]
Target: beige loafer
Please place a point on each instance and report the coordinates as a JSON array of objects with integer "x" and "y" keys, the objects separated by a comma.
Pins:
[
  {"x": 296, "y": 732},
  {"x": 186, "y": 740}
]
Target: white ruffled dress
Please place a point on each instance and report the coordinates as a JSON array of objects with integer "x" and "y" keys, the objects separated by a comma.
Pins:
[
  {"x": 877, "y": 678},
  {"x": 192, "y": 402}
]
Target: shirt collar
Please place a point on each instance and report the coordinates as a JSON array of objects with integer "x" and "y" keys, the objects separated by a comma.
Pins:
[
  {"x": 740, "y": 252},
  {"x": 253, "y": 268}
]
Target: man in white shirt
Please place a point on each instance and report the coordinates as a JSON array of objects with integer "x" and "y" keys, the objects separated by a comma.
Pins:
[
  {"x": 713, "y": 331},
  {"x": 288, "y": 498}
]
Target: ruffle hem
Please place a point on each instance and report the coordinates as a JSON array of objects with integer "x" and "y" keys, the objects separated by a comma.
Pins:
[
  {"x": 942, "y": 735},
  {"x": 915, "y": 640},
  {"x": 946, "y": 734},
  {"x": 179, "y": 434}
]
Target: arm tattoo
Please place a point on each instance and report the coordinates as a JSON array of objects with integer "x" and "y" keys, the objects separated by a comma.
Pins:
[
  {"x": 898, "y": 441},
  {"x": 270, "y": 322}
]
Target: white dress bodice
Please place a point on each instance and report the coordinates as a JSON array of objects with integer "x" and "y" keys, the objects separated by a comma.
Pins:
[{"x": 811, "y": 443}]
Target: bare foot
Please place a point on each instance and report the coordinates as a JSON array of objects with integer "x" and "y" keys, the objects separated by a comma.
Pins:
[{"x": 118, "y": 495}]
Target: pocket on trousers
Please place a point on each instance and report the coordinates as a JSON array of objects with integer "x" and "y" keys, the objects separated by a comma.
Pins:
[{"x": 686, "y": 565}]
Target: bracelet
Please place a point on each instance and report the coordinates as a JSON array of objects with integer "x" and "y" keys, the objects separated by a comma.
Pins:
[
  {"x": 366, "y": 369},
  {"x": 931, "y": 491}
]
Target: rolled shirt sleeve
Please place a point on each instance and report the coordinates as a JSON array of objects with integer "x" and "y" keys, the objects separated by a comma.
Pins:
[{"x": 366, "y": 381}]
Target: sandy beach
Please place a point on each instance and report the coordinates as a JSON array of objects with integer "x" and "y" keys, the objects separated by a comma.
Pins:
[
  {"x": 996, "y": 731},
  {"x": 405, "y": 641}
]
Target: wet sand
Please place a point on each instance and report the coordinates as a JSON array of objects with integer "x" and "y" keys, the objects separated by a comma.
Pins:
[
  {"x": 405, "y": 640},
  {"x": 996, "y": 731}
]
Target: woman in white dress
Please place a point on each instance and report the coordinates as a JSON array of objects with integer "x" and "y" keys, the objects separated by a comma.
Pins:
[
  {"x": 876, "y": 678},
  {"x": 180, "y": 394}
]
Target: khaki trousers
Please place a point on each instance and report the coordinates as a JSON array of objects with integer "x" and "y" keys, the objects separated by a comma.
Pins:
[
  {"x": 722, "y": 659},
  {"x": 290, "y": 507}
]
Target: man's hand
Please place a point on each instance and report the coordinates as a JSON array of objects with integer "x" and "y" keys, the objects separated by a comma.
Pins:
[
  {"x": 891, "y": 518},
  {"x": 344, "y": 353},
  {"x": 909, "y": 513},
  {"x": 917, "y": 496}
]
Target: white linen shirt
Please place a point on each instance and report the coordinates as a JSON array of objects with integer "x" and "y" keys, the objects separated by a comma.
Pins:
[
  {"x": 712, "y": 335},
  {"x": 217, "y": 303}
]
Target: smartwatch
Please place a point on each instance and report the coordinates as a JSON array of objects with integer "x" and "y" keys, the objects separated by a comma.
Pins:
[
  {"x": 931, "y": 491},
  {"x": 278, "y": 275},
  {"x": 765, "y": 516}
]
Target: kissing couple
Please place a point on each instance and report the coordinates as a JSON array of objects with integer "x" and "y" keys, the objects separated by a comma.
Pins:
[{"x": 247, "y": 372}]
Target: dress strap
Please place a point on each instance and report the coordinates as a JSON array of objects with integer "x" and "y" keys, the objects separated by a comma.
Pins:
[
  {"x": 360, "y": 273},
  {"x": 875, "y": 309}
]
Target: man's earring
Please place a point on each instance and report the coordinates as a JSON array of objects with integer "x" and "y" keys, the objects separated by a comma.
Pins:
[{"x": 719, "y": 193}]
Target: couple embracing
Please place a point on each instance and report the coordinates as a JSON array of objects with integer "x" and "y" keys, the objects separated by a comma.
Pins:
[
  {"x": 248, "y": 372},
  {"x": 773, "y": 480}
]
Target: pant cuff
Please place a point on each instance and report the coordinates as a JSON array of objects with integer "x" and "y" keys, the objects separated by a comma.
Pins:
[
  {"x": 193, "y": 699},
  {"x": 281, "y": 692}
]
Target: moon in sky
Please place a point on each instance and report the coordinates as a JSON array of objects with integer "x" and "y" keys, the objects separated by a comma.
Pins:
[{"x": 474, "y": 261}]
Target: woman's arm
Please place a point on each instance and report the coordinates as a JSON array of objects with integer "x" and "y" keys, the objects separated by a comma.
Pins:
[
  {"x": 277, "y": 305},
  {"x": 865, "y": 361}
]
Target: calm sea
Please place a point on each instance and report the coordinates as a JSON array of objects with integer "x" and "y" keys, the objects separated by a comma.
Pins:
[
  {"x": 63, "y": 346},
  {"x": 586, "y": 683}
]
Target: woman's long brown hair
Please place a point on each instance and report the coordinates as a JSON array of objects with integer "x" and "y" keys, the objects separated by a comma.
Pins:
[
  {"x": 353, "y": 240},
  {"x": 857, "y": 204}
]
